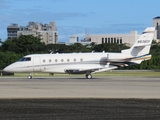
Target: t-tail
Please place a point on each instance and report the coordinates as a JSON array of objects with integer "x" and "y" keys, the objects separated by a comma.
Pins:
[{"x": 141, "y": 48}]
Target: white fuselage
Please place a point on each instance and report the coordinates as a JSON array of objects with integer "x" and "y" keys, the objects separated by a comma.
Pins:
[{"x": 59, "y": 63}]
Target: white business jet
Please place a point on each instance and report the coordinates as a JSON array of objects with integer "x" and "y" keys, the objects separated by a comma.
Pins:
[{"x": 85, "y": 63}]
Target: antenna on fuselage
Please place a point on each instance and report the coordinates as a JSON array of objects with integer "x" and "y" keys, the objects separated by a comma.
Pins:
[{"x": 51, "y": 52}]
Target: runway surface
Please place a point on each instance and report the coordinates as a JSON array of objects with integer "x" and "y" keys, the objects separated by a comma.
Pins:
[
  {"x": 77, "y": 98},
  {"x": 79, "y": 87}
]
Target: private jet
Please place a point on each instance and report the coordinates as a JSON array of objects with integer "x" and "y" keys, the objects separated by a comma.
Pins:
[{"x": 85, "y": 63}]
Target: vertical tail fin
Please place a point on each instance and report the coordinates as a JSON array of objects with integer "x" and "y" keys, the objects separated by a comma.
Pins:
[{"x": 142, "y": 44}]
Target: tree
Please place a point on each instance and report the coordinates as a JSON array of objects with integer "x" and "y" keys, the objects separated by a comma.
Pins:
[
  {"x": 13, "y": 49},
  {"x": 8, "y": 57},
  {"x": 1, "y": 45},
  {"x": 110, "y": 47},
  {"x": 1, "y": 42},
  {"x": 23, "y": 44}
]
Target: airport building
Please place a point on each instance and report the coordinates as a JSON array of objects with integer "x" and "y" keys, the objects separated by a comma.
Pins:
[
  {"x": 47, "y": 32},
  {"x": 156, "y": 23},
  {"x": 127, "y": 39}
]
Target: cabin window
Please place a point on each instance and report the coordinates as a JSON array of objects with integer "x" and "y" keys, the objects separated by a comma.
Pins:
[
  {"x": 50, "y": 60},
  {"x": 68, "y": 60},
  {"x": 62, "y": 60},
  {"x": 44, "y": 60},
  {"x": 56, "y": 60},
  {"x": 74, "y": 60}
]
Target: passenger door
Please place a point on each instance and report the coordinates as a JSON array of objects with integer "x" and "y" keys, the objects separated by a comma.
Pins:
[{"x": 36, "y": 64}]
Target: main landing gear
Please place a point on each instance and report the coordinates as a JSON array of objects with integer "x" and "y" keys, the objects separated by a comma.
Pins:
[
  {"x": 89, "y": 76},
  {"x": 29, "y": 76}
]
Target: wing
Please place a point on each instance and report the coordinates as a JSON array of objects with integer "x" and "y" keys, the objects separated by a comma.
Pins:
[{"x": 84, "y": 70}]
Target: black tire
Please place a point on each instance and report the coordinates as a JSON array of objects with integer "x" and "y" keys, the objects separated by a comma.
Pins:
[
  {"x": 29, "y": 77},
  {"x": 88, "y": 76}
]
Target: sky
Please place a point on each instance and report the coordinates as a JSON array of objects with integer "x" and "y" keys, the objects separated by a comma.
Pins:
[{"x": 75, "y": 17}]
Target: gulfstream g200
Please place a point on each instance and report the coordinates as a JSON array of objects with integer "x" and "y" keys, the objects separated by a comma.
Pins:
[{"x": 85, "y": 63}]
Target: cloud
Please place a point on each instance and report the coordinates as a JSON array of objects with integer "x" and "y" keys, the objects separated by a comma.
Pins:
[
  {"x": 33, "y": 10},
  {"x": 55, "y": 16},
  {"x": 36, "y": 14}
]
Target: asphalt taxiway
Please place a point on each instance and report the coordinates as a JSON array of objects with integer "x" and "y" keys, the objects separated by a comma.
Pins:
[
  {"x": 79, "y": 87},
  {"x": 77, "y": 98}
]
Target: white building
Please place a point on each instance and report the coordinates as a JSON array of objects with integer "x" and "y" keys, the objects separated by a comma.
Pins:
[
  {"x": 47, "y": 32},
  {"x": 156, "y": 23},
  {"x": 128, "y": 39},
  {"x": 74, "y": 38}
]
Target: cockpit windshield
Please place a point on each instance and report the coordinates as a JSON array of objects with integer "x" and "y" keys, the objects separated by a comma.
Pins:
[{"x": 25, "y": 59}]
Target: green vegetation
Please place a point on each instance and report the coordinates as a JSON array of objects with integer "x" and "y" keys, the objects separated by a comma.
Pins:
[
  {"x": 13, "y": 49},
  {"x": 108, "y": 73},
  {"x": 129, "y": 73}
]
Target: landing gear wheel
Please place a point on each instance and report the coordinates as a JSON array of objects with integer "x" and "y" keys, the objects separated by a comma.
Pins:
[
  {"x": 88, "y": 76},
  {"x": 29, "y": 76}
]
